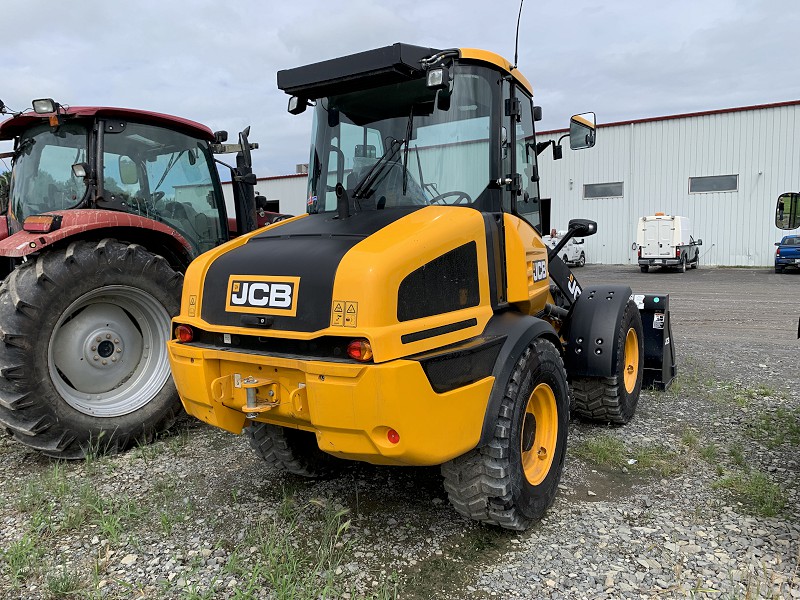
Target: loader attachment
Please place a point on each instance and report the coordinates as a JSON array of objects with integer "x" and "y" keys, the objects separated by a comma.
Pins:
[{"x": 659, "y": 350}]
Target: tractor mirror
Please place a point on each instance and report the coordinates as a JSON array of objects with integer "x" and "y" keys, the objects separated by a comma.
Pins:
[
  {"x": 297, "y": 105},
  {"x": 127, "y": 171},
  {"x": 582, "y": 131},
  {"x": 787, "y": 211},
  {"x": 582, "y": 227}
]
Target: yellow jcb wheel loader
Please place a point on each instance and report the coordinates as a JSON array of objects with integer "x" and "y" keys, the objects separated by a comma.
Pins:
[{"x": 413, "y": 316}]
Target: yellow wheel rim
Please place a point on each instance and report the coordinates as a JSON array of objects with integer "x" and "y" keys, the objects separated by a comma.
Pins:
[
  {"x": 631, "y": 359},
  {"x": 539, "y": 434}
]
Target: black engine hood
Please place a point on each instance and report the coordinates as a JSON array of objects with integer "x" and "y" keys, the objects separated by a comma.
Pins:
[{"x": 309, "y": 249}]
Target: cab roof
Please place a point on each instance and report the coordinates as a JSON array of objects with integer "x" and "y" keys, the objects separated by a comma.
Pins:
[
  {"x": 373, "y": 68},
  {"x": 12, "y": 127}
]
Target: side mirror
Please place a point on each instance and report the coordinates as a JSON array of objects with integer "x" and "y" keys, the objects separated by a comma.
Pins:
[
  {"x": 127, "y": 171},
  {"x": 297, "y": 105},
  {"x": 582, "y": 131},
  {"x": 777, "y": 243},
  {"x": 787, "y": 211},
  {"x": 582, "y": 227},
  {"x": 699, "y": 243}
]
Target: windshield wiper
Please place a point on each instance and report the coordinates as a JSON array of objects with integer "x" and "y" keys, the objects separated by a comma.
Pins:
[
  {"x": 409, "y": 131},
  {"x": 365, "y": 184}
]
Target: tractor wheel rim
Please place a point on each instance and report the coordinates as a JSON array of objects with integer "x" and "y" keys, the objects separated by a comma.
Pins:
[
  {"x": 631, "y": 360},
  {"x": 539, "y": 434},
  {"x": 107, "y": 354}
]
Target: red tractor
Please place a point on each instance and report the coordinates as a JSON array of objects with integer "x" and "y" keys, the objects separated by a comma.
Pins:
[{"x": 106, "y": 209}]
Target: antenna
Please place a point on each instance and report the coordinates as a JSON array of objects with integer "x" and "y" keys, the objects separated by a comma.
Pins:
[{"x": 516, "y": 40}]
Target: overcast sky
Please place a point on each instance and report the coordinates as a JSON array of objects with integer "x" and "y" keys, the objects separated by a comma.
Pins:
[{"x": 216, "y": 62}]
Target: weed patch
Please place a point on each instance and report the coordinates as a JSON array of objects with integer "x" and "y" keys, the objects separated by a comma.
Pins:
[{"x": 755, "y": 492}]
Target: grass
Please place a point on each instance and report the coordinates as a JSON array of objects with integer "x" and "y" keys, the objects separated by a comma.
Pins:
[
  {"x": 607, "y": 451},
  {"x": 776, "y": 428},
  {"x": 755, "y": 492}
]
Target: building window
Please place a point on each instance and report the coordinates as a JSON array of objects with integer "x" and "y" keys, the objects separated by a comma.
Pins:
[
  {"x": 602, "y": 190},
  {"x": 717, "y": 183}
]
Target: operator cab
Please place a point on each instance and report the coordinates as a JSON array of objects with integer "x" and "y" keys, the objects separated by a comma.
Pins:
[
  {"x": 151, "y": 165},
  {"x": 408, "y": 127}
]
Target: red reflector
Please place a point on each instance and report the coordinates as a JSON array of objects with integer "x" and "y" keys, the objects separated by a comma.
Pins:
[
  {"x": 184, "y": 333},
  {"x": 359, "y": 350},
  {"x": 42, "y": 223},
  {"x": 393, "y": 436}
]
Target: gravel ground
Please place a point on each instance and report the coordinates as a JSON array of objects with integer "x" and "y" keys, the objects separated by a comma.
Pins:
[{"x": 675, "y": 509}]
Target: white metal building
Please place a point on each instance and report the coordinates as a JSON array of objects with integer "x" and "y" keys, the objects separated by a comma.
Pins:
[
  {"x": 289, "y": 190},
  {"x": 723, "y": 169}
]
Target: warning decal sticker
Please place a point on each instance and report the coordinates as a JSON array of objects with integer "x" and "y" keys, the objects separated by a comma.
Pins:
[{"x": 344, "y": 313}]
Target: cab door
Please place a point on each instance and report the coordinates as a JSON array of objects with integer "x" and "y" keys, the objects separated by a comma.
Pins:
[{"x": 526, "y": 255}]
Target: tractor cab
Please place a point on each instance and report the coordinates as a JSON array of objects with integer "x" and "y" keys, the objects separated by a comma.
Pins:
[
  {"x": 407, "y": 127},
  {"x": 153, "y": 166}
]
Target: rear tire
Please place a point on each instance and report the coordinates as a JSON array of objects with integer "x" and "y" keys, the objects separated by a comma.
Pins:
[
  {"x": 582, "y": 260},
  {"x": 513, "y": 479},
  {"x": 83, "y": 353},
  {"x": 292, "y": 450},
  {"x": 614, "y": 399},
  {"x": 778, "y": 269},
  {"x": 682, "y": 266},
  {"x": 644, "y": 268}
]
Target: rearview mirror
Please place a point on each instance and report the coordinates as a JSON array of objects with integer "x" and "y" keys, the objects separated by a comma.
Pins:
[
  {"x": 583, "y": 227},
  {"x": 127, "y": 171},
  {"x": 787, "y": 211},
  {"x": 582, "y": 131}
]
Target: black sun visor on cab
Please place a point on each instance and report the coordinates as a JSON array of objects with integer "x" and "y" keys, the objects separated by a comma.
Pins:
[{"x": 364, "y": 70}]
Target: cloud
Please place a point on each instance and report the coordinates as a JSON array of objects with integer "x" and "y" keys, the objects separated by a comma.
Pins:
[{"x": 216, "y": 62}]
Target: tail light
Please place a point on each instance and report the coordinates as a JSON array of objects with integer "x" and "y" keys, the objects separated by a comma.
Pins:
[
  {"x": 677, "y": 252},
  {"x": 640, "y": 252},
  {"x": 184, "y": 333},
  {"x": 777, "y": 251},
  {"x": 42, "y": 223},
  {"x": 359, "y": 350}
]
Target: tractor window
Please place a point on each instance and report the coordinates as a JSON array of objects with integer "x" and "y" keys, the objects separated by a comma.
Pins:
[
  {"x": 42, "y": 177},
  {"x": 164, "y": 175},
  {"x": 528, "y": 201},
  {"x": 404, "y": 145}
]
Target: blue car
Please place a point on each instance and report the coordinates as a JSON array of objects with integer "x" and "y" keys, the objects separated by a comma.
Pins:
[{"x": 787, "y": 253}]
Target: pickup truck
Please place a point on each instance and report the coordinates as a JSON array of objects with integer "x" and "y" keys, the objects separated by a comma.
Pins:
[
  {"x": 573, "y": 253},
  {"x": 787, "y": 253}
]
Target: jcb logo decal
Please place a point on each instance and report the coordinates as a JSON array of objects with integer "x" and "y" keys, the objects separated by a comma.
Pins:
[
  {"x": 539, "y": 270},
  {"x": 574, "y": 288},
  {"x": 262, "y": 295}
]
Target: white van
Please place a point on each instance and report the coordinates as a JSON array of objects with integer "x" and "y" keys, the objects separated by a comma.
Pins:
[{"x": 666, "y": 241}]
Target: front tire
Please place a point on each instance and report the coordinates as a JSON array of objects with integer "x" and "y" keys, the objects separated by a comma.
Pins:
[
  {"x": 582, "y": 260},
  {"x": 291, "y": 450},
  {"x": 85, "y": 366},
  {"x": 614, "y": 399},
  {"x": 512, "y": 481}
]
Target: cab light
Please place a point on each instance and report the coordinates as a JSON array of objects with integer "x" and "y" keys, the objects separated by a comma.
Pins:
[
  {"x": 184, "y": 333},
  {"x": 393, "y": 436},
  {"x": 42, "y": 223},
  {"x": 359, "y": 350}
]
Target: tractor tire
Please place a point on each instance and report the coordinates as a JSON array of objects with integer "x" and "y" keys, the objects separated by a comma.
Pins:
[
  {"x": 83, "y": 358},
  {"x": 644, "y": 268},
  {"x": 614, "y": 399},
  {"x": 511, "y": 481},
  {"x": 292, "y": 450},
  {"x": 582, "y": 259}
]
